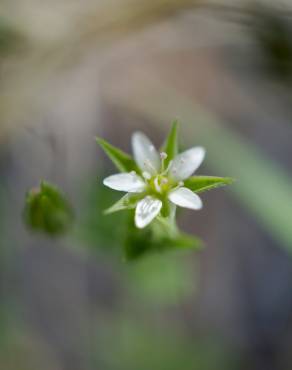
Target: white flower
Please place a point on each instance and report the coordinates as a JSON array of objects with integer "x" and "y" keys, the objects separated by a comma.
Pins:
[{"x": 158, "y": 184}]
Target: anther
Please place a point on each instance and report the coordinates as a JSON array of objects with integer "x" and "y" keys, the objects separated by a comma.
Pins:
[{"x": 163, "y": 155}]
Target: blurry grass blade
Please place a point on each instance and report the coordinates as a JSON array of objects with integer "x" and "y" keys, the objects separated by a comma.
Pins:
[
  {"x": 122, "y": 160},
  {"x": 199, "y": 184},
  {"x": 171, "y": 144}
]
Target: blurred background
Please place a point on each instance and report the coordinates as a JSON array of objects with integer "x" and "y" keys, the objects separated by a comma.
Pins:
[{"x": 73, "y": 69}]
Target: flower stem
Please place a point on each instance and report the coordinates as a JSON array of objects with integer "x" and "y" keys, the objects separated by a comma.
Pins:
[{"x": 169, "y": 223}]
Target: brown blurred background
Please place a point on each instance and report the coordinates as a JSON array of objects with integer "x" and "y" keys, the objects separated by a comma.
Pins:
[{"x": 73, "y": 69}]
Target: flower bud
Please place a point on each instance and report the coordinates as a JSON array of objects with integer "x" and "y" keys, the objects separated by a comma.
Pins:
[{"x": 46, "y": 210}]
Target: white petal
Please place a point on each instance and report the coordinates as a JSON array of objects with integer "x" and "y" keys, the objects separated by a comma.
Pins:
[
  {"x": 147, "y": 209},
  {"x": 184, "y": 197},
  {"x": 186, "y": 163},
  {"x": 145, "y": 154},
  {"x": 129, "y": 182}
]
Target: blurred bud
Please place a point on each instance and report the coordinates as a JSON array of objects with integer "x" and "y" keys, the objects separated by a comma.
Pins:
[{"x": 46, "y": 210}]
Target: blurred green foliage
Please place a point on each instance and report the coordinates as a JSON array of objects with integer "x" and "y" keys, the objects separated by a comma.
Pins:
[
  {"x": 162, "y": 280},
  {"x": 94, "y": 228},
  {"x": 271, "y": 28},
  {"x": 11, "y": 39},
  {"x": 131, "y": 344},
  {"x": 47, "y": 210},
  {"x": 22, "y": 349},
  {"x": 155, "y": 238}
]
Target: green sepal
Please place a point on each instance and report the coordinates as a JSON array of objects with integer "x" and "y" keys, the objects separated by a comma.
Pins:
[
  {"x": 47, "y": 210},
  {"x": 199, "y": 184},
  {"x": 122, "y": 160},
  {"x": 170, "y": 146},
  {"x": 128, "y": 201}
]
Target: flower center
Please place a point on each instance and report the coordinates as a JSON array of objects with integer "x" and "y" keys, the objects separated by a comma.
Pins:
[{"x": 159, "y": 183}]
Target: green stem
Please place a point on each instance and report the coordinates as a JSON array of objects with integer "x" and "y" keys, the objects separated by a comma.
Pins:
[{"x": 169, "y": 223}]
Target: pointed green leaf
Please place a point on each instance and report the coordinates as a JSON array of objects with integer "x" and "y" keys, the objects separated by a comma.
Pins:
[
  {"x": 128, "y": 201},
  {"x": 199, "y": 184},
  {"x": 171, "y": 144},
  {"x": 122, "y": 160}
]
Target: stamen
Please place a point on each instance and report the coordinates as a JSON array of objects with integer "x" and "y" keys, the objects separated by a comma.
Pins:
[
  {"x": 163, "y": 155},
  {"x": 167, "y": 169}
]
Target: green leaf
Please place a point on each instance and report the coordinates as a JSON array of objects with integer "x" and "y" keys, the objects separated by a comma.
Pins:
[
  {"x": 122, "y": 160},
  {"x": 128, "y": 201},
  {"x": 46, "y": 210},
  {"x": 171, "y": 144},
  {"x": 199, "y": 184}
]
